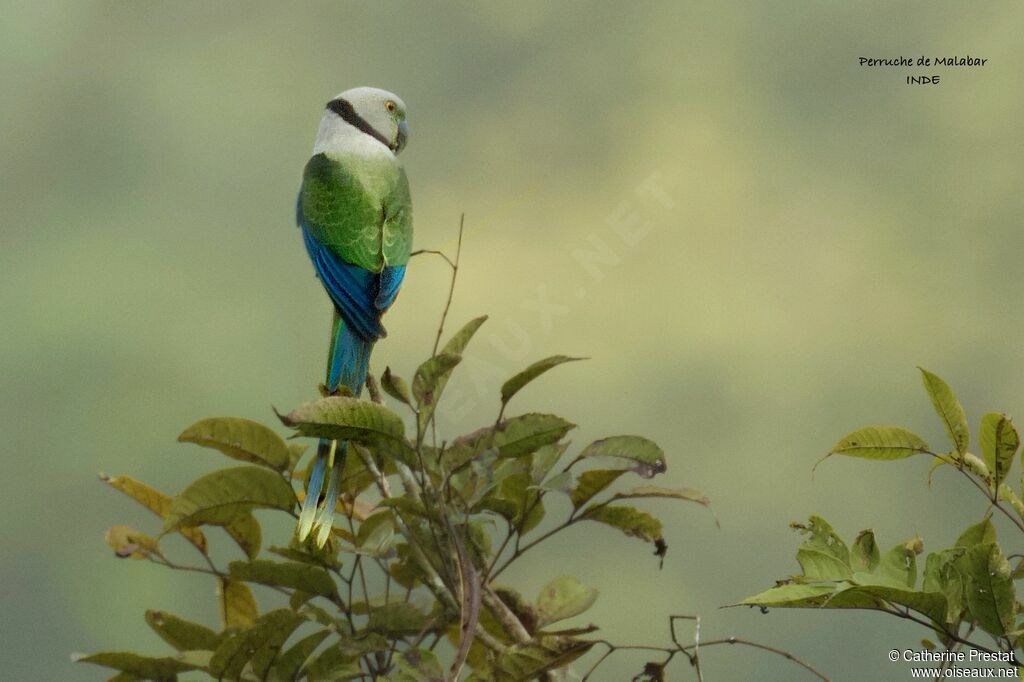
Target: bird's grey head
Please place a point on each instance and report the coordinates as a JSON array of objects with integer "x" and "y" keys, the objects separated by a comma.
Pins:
[{"x": 363, "y": 114}]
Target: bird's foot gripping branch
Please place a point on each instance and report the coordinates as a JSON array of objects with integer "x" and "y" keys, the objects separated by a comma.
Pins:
[{"x": 424, "y": 529}]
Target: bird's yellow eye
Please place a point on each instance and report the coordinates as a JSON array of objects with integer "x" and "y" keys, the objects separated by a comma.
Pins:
[{"x": 390, "y": 105}]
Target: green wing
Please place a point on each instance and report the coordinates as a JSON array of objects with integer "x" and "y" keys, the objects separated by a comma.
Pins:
[
  {"x": 359, "y": 209},
  {"x": 397, "y": 237}
]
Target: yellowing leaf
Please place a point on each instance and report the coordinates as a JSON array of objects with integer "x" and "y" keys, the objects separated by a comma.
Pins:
[
  {"x": 128, "y": 542},
  {"x": 237, "y": 605},
  {"x": 629, "y": 520},
  {"x": 155, "y": 501},
  {"x": 592, "y": 482}
]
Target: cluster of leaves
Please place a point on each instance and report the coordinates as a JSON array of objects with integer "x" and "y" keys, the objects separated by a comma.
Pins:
[
  {"x": 425, "y": 530},
  {"x": 962, "y": 589}
]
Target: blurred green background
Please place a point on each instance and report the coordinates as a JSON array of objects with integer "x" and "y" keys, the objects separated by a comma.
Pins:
[{"x": 824, "y": 229}]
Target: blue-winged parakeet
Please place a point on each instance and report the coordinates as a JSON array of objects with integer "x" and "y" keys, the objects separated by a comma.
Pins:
[{"x": 355, "y": 214}]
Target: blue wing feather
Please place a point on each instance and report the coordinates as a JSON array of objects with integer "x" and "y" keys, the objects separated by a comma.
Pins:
[
  {"x": 390, "y": 280},
  {"x": 353, "y": 289}
]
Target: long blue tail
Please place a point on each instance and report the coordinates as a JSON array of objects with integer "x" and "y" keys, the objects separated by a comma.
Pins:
[{"x": 347, "y": 363}]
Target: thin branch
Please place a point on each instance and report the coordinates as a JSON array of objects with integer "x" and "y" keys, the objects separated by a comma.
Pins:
[
  {"x": 775, "y": 650},
  {"x": 470, "y": 606},
  {"x": 695, "y": 657},
  {"x": 509, "y": 622},
  {"x": 519, "y": 551},
  {"x": 451, "y": 287},
  {"x": 908, "y": 615},
  {"x": 435, "y": 252}
]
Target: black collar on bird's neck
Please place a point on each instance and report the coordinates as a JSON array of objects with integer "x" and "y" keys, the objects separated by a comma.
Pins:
[{"x": 343, "y": 108}]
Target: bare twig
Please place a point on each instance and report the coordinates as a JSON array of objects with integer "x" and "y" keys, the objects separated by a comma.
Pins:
[
  {"x": 775, "y": 650},
  {"x": 509, "y": 622},
  {"x": 435, "y": 252},
  {"x": 451, "y": 287},
  {"x": 470, "y": 611}
]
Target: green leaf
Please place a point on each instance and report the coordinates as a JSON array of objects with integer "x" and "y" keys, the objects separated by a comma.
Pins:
[
  {"x": 218, "y": 497},
  {"x": 544, "y": 459},
  {"x": 930, "y": 604},
  {"x": 345, "y": 418},
  {"x": 561, "y": 482},
  {"x": 258, "y": 645},
  {"x": 980, "y": 533},
  {"x": 513, "y": 437},
  {"x": 429, "y": 382},
  {"x": 290, "y": 662},
  {"x": 333, "y": 664},
  {"x": 245, "y": 530},
  {"x": 128, "y": 542},
  {"x": 592, "y": 482},
  {"x": 162, "y": 669},
  {"x": 181, "y": 634},
  {"x": 823, "y": 554},
  {"x": 942, "y": 575},
  {"x": 791, "y": 595},
  {"x": 307, "y": 553},
  {"x": 899, "y": 564},
  {"x": 991, "y": 597},
  {"x": 516, "y": 383},
  {"x": 949, "y": 410},
  {"x": 999, "y": 443},
  {"x": 417, "y": 665},
  {"x": 562, "y": 598},
  {"x": 155, "y": 501},
  {"x": 864, "y": 556},
  {"x": 457, "y": 344},
  {"x": 1006, "y": 494},
  {"x": 241, "y": 439},
  {"x": 396, "y": 619},
  {"x": 880, "y": 442},
  {"x": 293, "y": 574},
  {"x": 528, "y": 661},
  {"x": 642, "y": 455},
  {"x": 395, "y": 386},
  {"x": 376, "y": 534},
  {"x": 629, "y": 520},
  {"x": 511, "y": 496},
  {"x": 820, "y": 565},
  {"x": 236, "y": 604}
]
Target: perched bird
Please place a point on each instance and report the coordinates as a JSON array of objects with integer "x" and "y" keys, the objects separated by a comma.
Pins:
[{"x": 355, "y": 214}]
